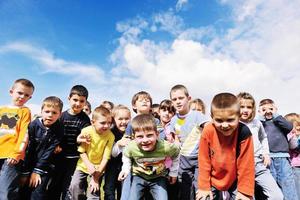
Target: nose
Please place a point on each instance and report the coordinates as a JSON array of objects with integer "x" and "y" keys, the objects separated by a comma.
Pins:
[{"x": 224, "y": 125}]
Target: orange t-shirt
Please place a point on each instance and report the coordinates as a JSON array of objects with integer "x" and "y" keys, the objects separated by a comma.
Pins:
[{"x": 224, "y": 159}]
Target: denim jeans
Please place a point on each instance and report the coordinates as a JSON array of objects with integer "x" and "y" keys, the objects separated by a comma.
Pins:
[
  {"x": 157, "y": 188},
  {"x": 126, "y": 186},
  {"x": 282, "y": 172},
  {"x": 297, "y": 179},
  {"x": 9, "y": 180}
]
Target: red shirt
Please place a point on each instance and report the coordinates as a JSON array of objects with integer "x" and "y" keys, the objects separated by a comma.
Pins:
[{"x": 224, "y": 159}]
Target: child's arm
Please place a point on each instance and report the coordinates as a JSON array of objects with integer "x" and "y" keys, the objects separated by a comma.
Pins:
[
  {"x": 90, "y": 166},
  {"x": 241, "y": 196},
  {"x": 119, "y": 145},
  {"x": 265, "y": 144},
  {"x": 174, "y": 153},
  {"x": 22, "y": 135},
  {"x": 204, "y": 195},
  {"x": 126, "y": 168},
  {"x": 283, "y": 124}
]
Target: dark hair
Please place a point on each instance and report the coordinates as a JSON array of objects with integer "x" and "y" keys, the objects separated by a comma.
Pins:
[
  {"x": 167, "y": 105},
  {"x": 111, "y": 104},
  {"x": 24, "y": 82},
  {"x": 266, "y": 101},
  {"x": 224, "y": 101},
  {"x": 53, "y": 101},
  {"x": 143, "y": 122},
  {"x": 79, "y": 90},
  {"x": 140, "y": 94}
]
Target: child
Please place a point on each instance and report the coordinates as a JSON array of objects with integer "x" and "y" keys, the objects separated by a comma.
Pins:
[
  {"x": 155, "y": 110},
  {"x": 94, "y": 155},
  {"x": 263, "y": 177},
  {"x": 74, "y": 120},
  {"x": 108, "y": 104},
  {"x": 198, "y": 105},
  {"x": 44, "y": 135},
  {"x": 277, "y": 129},
  {"x": 121, "y": 117},
  {"x": 87, "y": 108},
  {"x": 186, "y": 125},
  {"x": 166, "y": 112},
  {"x": 294, "y": 118},
  {"x": 226, "y": 154},
  {"x": 145, "y": 157},
  {"x": 14, "y": 120}
]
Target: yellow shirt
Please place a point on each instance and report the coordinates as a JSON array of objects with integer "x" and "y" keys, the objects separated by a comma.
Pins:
[
  {"x": 99, "y": 148},
  {"x": 14, "y": 122}
]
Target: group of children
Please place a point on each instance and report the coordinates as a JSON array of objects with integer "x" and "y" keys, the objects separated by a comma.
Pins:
[{"x": 173, "y": 152}]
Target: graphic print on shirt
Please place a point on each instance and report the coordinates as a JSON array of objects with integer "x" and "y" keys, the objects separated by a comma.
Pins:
[{"x": 8, "y": 122}]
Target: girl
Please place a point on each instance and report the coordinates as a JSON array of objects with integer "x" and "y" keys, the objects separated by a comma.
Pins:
[{"x": 263, "y": 176}]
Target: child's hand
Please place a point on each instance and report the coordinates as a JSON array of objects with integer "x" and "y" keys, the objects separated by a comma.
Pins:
[
  {"x": 23, "y": 180},
  {"x": 123, "y": 142},
  {"x": 267, "y": 160},
  {"x": 12, "y": 161},
  {"x": 241, "y": 196},
  {"x": 172, "y": 180},
  {"x": 203, "y": 195},
  {"x": 94, "y": 185},
  {"x": 122, "y": 175},
  {"x": 35, "y": 180},
  {"x": 84, "y": 138},
  {"x": 57, "y": 149}
]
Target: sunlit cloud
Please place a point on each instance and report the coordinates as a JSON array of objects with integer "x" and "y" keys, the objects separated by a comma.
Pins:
[{"x": 180, "y": 4}]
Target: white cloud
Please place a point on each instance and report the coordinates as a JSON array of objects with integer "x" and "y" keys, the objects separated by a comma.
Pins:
[
  {"x": 180, "y": 4},
  {"x": 259, "y": 54},
  {"x": 48, "y": 63}
]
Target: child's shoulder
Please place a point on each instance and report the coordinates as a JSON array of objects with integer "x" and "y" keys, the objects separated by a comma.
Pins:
[{"x": 243, "y": 131}]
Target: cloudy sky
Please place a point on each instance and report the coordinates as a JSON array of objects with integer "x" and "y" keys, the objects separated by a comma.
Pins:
[{"x": 119, "y": 47}]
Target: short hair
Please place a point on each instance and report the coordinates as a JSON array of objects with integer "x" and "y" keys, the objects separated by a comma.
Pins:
[
  {"x": 266, "y": 101},
  {"x": 142, "y": 94},
  {"x": 224, "y": 101},
  {"x": 143, "y": 122},
  {"x": 24, "y": 82},
  {"x": 292, "y": 117},
  {"x": 79, "y": 90},
  {"x": 117, "y": 108},
  {"x": 53, "y": 101},
  {"x": 248, "y": 96},
  {"x": 167, "y": 105},
  {"x": 100, "y": 110},
  {"x": 111, "y": 104},
  {"x": 179, "y": 87},
  {"x": 200, "y": 103}
]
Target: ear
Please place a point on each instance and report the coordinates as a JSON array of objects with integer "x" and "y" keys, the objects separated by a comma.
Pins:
[
  {"x": 189, "y": 98},
  {"x": 11, "y": 92}
]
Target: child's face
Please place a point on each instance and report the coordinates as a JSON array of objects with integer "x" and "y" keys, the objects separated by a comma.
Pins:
[
  {"x": 121, "y": 119},
  {"x": 267, "y": 110},
  {"x": 20, "y": 94},
  {"x": 87, "y": 110},
  {"x": 165, "y": 115},
  {"x": 146, "y": 140},
  {"x": 142, "y": 105},
  {"x": 196, "y": 107},
  {"x": 101, "y": 123},
  {"x": 246, "y": 109},
  {"x": 77, "y": 103},
  {"x": 180, "y": 101},
  {"x": 225, "y": 120},
  {"x": 50, "y": 114}
]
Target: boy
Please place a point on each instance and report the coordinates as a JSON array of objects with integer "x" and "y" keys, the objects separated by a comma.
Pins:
[
  {"x": 226, "y": 154},
  {"x": 44, "y": 135},
  {"x": 94, "y": 155},
  {"x": 73, "y": 120},
  {"x": 14, "y": 120},
  {"x": 145, "y": 157},
  {"x": 186, "y": 125},
  {"x": 277, "y": 129}
]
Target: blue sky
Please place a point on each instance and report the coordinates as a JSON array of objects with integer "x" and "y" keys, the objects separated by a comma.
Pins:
[{"x": 117, "y": 48}]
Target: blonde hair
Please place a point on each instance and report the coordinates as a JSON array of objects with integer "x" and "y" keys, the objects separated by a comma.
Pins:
[
  {"x": 24, "y": 82},
  {"x": 117, "y": 108},
  {"x": 200, "y": 103},
  {"x": 143, "y": 122},
  {"x": 293, "y": 118},
  {"x": 100, "y": 110},
  {"x": 179, "y": 87},
  {"x": 248, "y": 96},
  {"x": 52, "y": 101}
]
